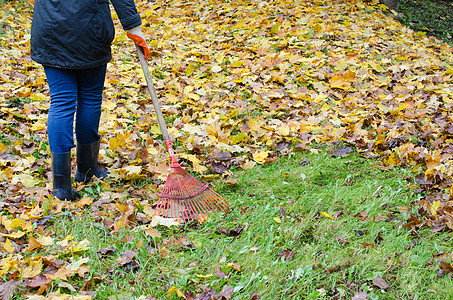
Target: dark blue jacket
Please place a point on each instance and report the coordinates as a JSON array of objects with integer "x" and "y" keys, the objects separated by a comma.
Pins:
[{"x": 77, "y": 34}]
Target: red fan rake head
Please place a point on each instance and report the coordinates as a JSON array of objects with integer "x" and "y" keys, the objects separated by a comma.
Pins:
[{"x": 186, "y": 198}]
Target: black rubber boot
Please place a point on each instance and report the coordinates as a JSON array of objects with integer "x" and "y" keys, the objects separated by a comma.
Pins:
[
  {"x": 87, "y": 162},
  {"x": 61, "y": 172}
]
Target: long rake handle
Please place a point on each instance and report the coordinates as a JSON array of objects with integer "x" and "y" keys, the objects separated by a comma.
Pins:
[
  {"x": 156, "y": 104},
  {"x": 152, "y": 93}
]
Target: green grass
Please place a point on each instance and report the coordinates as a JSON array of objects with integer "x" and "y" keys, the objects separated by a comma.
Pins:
[
  {"x": 431, "y": 16},
  {"x": 366, "y": 202}
]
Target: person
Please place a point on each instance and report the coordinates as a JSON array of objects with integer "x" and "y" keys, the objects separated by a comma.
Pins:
[{"x": 72, "y": 40}]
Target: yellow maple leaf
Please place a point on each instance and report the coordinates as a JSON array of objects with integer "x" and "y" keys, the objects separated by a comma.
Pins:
[
  {"x": 284, "y": 129},
  {"x": 45, "y": 240},
  {"x": 260, "y": 157},
  {"x": 8, "y": 246},
  {"x": 342, "y": 80},
  {"x": 327, "y": 215},
  {"x": 31, "y": 267},
  {"x": 434, "y": 207},
  {"x": 178, "y": 292},
  {"x": 235, "y": 266}
]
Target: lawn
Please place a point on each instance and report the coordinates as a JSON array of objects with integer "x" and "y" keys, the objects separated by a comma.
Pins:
[{"x": 310, "y": 226}]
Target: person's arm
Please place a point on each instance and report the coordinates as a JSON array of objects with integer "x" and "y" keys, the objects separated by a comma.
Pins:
[{"x": 131, "y": 21}]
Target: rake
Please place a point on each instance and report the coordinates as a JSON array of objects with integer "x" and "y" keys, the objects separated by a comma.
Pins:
[{"x": 183, "y": 196}]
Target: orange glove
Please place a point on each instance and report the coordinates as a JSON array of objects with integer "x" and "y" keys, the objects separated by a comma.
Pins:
[{"x": 136, "y": 35}]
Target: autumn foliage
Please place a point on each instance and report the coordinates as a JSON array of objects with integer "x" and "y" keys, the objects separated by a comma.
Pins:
[{"x": 241, "y": 83}]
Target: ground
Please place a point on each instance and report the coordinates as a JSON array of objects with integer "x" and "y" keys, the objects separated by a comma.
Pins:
[{"x": 433, "y": 16}]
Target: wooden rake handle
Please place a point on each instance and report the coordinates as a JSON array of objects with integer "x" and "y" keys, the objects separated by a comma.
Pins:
[{"x": 156, "y": 104}]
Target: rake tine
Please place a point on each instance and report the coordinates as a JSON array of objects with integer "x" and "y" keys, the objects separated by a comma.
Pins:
[
  {"x": 209, "y": 202},
  {"x": 206, "y": 203},
  {"x": 159, "y": 207},
  {"x": 196, "y": 205},
  {"x": 191, "y": 208}
]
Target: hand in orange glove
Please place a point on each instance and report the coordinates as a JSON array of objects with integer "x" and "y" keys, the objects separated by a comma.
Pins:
[{"x": 137, "y": 36}]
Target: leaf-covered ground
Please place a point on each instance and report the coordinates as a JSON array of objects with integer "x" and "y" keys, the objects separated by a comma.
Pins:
[{"x": 242, "y": 83}]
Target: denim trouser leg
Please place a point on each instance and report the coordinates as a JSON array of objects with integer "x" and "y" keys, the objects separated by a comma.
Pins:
[
  {"x": 74, "y": 91},
  {"x": 91, "y": 85}
]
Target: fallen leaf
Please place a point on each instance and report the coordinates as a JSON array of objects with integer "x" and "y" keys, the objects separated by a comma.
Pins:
[
  {"x": 163, "y": 252},
  {"x": 255, "y": 296},
  {"x": 231, "y": 232},
  {"x": 7, "y": 289},
  {"x": 360, "y": 296},
  {"x": 326, "y": 215},
  {"x": 219, "y": 273},
  {"x": 178, "y": 292},
  {"x": 107, "y": 251},
  {"x": 153, "y": 233},
  {"x": 380, "y": 283},
  {"x": 235, "y": 266},
  {"x": 126, "y": 258},
  {"x": 226, "y": 293},
  {"x": 446, "y": 267},
  {"x": 342, "y": 152},
  {"x": 158, "y": 220},
  {"x": 67, "y": 286},
  {"x": 288, "y": 254},
  {"x": 38, "y": 281}
]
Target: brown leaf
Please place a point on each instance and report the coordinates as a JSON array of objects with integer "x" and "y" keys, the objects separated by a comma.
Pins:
[
  {"x": 349, "y": 182},
  {"x": 88, "y": 286},
  {"x": 67, "y": 286},
  {"x": 64, "y": 273},
  {"x": 288, "y": 254},
  {"x": 107, "y": 251},
  {"x": 342, "y": 152},
  {"x": 38, "y": 281},
  {"x": 360, "y": 296},
  {"x": 367, "y": 245},
  {"x": 218, "y": 167},
  {"x": 82, "y": 271},
  {"x": 231, "y": 232},
  {"x": 441, "y": 256},
  {"x": 244, "y": 209},
  {"x": 379, "y": 238},
  {"x": 7, "y": 289},
  {"x": 219, "y": 273},
  {"x": 381, "y": 283},
  {"x": 127, "y": 257},
  {"x": 33, "y": 244},
  {"x": 412, "y": 222},
  {"x": 255, "y": 296},
  {"x": 153, "y": 233},
  {"x": 362, "y": 215},
  {"x": 221, "y": 156},
  {"x": 341, "y": 239},
  {"x": 446, "y": 267},
  {"x": 226, "y": 292},
  {"x": 283, "y": 213}
]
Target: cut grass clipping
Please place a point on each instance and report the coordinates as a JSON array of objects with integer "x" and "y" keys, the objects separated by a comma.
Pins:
[{"x": 310, "y": 226}]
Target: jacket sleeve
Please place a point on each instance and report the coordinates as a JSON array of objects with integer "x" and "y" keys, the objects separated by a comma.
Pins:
[{"x": 127, "y": 13}]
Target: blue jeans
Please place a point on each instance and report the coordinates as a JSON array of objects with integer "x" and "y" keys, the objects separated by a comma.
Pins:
[{"x": 79, "y": 92}]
